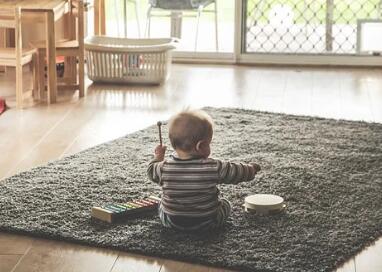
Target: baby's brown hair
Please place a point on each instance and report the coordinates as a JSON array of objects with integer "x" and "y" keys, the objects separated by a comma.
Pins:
[{"x": 189, "y": 127}]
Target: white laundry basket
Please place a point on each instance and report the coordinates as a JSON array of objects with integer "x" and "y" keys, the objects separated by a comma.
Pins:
[{"x": 121, "y": 60}]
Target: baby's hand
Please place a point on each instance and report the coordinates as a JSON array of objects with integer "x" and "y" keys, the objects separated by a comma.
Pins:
[
  {"x": 256, "y": 167},
  {"x": 159, "y": 152}
]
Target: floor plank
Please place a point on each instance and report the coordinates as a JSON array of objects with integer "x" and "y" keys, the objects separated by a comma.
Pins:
[
  {"x": 7, "y": 262},
  {"x": 12, "y": 244},
  {"x": 370, "y": 259},
  {"x": 48, "y": 256},
  {"x": 136, "y": 263},
  {"x": 348, "y": 266}
]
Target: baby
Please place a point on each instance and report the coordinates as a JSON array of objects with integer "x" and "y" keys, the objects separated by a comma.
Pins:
[{"x": 190, "y": 197}]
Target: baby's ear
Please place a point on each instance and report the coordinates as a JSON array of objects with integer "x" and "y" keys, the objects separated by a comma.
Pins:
[{"x": 199, "y": 145}]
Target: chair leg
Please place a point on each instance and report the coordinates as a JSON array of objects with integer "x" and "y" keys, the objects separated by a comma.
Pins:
[
  {"x": 200, "y": 9},
  {"x": 41, "y": 73},
  {"x": 67, "y": 68},
  {"x": 36, "y": 89},
  {"x": 19, "y": 86},
  {"x": 73, "y": 70},
  {"x": 148, "y": 22},
  {"x": 81, "y": 75},
  {"x": 216, "y": 27},
  {"x": 74, "y": 65},
  {"x": 3, "y": 44}
]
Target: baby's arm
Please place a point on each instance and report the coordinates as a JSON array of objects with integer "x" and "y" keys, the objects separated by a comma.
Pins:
[
  {"x": 155, "y": 165},
  {"x": 233, "y": 173}
]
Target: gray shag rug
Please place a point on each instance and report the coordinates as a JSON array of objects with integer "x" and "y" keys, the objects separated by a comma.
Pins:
[{"x": 329, "y": 172}]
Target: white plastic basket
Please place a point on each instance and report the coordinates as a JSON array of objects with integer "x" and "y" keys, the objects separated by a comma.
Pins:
[{"x": 120, "y": 60}]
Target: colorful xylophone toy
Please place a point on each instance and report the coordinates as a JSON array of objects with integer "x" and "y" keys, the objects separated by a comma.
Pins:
[{"x": 114, "y": 212}]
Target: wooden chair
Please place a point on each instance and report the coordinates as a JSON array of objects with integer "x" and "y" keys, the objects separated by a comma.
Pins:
[
  {"x": 71, "y": 48},
  {"x": 18, "y": 56}
]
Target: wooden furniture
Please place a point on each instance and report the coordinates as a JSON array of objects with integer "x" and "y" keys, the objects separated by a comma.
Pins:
[
  {"x": 2, "y": 44},
  {"x": 18, "y": 56},
  {"x": 99, "y": 17},
  {"x": 71, "y": 48},
  {"x": 47, "y": 11}
]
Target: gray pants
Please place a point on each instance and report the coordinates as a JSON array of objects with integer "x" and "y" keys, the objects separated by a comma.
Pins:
[{"x": 214, "y": 222}]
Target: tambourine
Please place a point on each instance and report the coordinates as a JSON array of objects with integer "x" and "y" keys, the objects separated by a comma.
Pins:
[{"x": 264, "y": 204}]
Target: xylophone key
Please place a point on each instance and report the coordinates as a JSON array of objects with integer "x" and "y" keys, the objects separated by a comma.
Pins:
[
  {"x": 113, "y": 208},
  {"x": 148, "y": 203},
  {"x": 140, "y": 202},
  {"x": 135, "y": 205},
  {"x": 121, "y": 206}
]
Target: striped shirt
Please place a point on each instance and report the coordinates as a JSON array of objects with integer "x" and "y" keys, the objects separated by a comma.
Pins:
[{"x": 189, "y": 186}]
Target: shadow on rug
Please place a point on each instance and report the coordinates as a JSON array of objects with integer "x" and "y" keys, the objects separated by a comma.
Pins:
[{"x": 329, "y": 172}]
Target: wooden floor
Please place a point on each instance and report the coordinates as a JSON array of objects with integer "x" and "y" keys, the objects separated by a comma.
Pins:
[{"x": 42, "y": 133}]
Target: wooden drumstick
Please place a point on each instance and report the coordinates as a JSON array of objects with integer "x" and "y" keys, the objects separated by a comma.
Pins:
[{"x": 159, "y": 124}]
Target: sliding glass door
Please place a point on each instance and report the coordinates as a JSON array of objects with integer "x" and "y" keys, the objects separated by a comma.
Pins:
[{"x": 315, "y": 31}]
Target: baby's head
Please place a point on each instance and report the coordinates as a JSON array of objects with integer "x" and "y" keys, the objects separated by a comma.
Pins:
[{"x": 190, "y": 133}]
